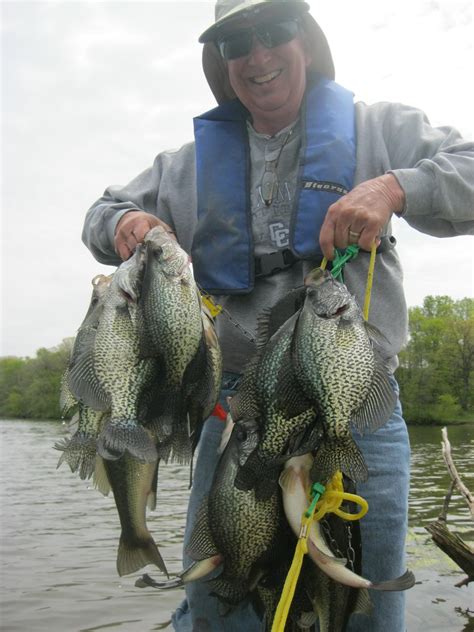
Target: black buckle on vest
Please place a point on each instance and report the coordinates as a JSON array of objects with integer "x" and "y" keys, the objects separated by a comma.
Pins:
[{"x": 274, "y": 262}]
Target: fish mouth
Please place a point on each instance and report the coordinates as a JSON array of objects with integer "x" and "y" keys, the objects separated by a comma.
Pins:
[{"x": 336, "y": 314}]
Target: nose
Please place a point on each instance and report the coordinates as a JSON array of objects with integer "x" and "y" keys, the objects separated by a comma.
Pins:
[{"x": 259, "y": 53}]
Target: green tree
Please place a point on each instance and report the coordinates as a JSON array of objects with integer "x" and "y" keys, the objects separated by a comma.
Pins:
[
  {"x": 436, "y": 367},
  {"x": 29, "y": 387}
]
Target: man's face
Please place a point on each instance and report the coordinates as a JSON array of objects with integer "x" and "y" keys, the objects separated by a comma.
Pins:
[{"x": 270, "y": 82}]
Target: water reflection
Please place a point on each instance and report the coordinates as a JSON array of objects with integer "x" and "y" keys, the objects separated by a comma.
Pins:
[{"x": 60, "y": 536}]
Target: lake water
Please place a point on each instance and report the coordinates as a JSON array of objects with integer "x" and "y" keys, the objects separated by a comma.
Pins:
[{"x": 59, "y": 538}]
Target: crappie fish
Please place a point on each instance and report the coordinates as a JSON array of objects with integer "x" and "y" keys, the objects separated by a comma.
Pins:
[
  {"x": 339, "y": 370},
  {"x": 79, "y": 452},
  {"x": 170, "y": 325},
  {"x": 74, "y": 386},
  {"x": 233, "y": 530},
  {"x": 132, "y": 483},
  {"x": 107, "y": 372},
  {"x": 271, "y": 393},
  {"x": 234, "y": 524}
]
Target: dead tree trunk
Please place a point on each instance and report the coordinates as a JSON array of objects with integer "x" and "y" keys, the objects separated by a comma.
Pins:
[{"x": 451, "y": 543}]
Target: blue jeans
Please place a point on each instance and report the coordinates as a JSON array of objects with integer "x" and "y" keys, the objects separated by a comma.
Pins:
[{"x": 387, "y": 454}]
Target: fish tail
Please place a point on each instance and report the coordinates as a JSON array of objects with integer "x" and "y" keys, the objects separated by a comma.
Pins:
[
  {"x": 405, "y": 581},
  {"x": 79, "y": 453},
  {"x": 339, "y": 454},
  {"x": 120, "y": 436},
  {"x": 134, "y": 555}
]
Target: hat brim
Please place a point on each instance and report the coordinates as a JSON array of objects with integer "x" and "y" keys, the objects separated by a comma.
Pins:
[
  {"x": 216, "y": 72},
  {"x": 251, "y": 9}
]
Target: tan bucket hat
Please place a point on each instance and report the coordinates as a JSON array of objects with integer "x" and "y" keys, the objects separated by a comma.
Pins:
[{"x": 228, "y": 10}]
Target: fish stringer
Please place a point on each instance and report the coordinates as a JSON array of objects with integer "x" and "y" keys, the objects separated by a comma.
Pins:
[{"x": 323, "y": 500}]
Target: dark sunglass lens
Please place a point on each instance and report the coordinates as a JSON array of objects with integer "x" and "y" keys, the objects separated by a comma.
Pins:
[
  {"x": 272, "y": 35},
  {"x": 236, "y": 45}
]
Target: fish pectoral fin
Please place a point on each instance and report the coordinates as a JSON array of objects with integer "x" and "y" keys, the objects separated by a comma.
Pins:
[
  {"x": 376, "y": 335},
  {"x": 100, "y": 477},
  {"x": 404, "y": 582},
  {"x": 289, "y": 480},
  {"x": 379, "y": 404},
  {"x": 363, "y": 603}
]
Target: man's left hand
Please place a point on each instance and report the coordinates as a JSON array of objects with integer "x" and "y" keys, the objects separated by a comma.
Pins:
[{"x": 359, "y": 216}]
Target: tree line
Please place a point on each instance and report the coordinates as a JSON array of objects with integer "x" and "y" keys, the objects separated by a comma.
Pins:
[{"x": 435, "y": 373}]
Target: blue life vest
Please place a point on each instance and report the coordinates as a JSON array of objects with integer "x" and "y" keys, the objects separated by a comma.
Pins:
[{"x": 222, "y": 250}]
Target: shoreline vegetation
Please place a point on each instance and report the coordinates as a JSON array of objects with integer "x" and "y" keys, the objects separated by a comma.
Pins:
[{"x": 436, "y": 372}]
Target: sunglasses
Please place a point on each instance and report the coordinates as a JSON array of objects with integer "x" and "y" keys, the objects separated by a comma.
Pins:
[{"x": 239, "y": 43}]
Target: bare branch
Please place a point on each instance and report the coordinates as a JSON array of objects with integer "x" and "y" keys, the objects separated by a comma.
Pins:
[{"x": 463, "y": 490}]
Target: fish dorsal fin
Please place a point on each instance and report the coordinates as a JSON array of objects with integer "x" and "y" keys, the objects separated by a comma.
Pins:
[
  {"x": 84, "y": 383},
  {"x": 201, "y": 545},
  {"x": 379, "y": 404},
  {"x": 272, "y": 318}
]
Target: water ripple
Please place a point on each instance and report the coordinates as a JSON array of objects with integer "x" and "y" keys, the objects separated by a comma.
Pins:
[{"x": 60, "y": 536}]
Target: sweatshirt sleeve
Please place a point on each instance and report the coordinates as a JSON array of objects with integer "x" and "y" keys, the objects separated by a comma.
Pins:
[
  {"x": 435, "y": 168},
  {"x": 148, "y": 192}
]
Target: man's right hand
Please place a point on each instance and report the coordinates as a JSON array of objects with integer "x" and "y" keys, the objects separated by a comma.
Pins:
[{"x": 131, "y": 230}]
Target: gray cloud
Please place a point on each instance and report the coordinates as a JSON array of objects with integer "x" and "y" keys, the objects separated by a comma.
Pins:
[{"x": 93, "y": 90}]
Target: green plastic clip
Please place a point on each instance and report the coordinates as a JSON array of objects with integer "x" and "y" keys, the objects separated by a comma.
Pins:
[
  {"x": 317, "y": 490},
  {"x": 340, "y": 260}
]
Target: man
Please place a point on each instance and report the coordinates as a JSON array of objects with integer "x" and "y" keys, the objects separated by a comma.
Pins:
[{"x": 283, "y": 171}]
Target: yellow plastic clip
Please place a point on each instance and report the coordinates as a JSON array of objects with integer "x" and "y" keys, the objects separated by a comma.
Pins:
[{"x": 214, "y": 308}]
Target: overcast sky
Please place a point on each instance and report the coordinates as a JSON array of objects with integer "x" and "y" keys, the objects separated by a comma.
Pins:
[{"x": 92, "y": 91}]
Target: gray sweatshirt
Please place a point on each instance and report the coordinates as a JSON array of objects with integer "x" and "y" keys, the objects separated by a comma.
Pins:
[{"x": 434, "y": 166}]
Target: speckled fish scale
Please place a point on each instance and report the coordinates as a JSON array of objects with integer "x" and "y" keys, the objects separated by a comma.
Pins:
[{"x": 339, "y": 371}]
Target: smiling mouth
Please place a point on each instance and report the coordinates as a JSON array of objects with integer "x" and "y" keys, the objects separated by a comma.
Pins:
[{"x": 262, "y": 79}]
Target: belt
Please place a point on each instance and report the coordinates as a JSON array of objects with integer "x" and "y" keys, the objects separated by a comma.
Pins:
[{"x": 274, "y": 262}]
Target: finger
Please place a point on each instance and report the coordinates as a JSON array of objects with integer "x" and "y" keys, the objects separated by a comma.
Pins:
[
  {"x": 326, "y": 236},
  {"x": 122, "y": 250},
  {"x": 139, "y": 230},
  {"x": 341, "y": 238},
  {"x": 367, "y": 238}
]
